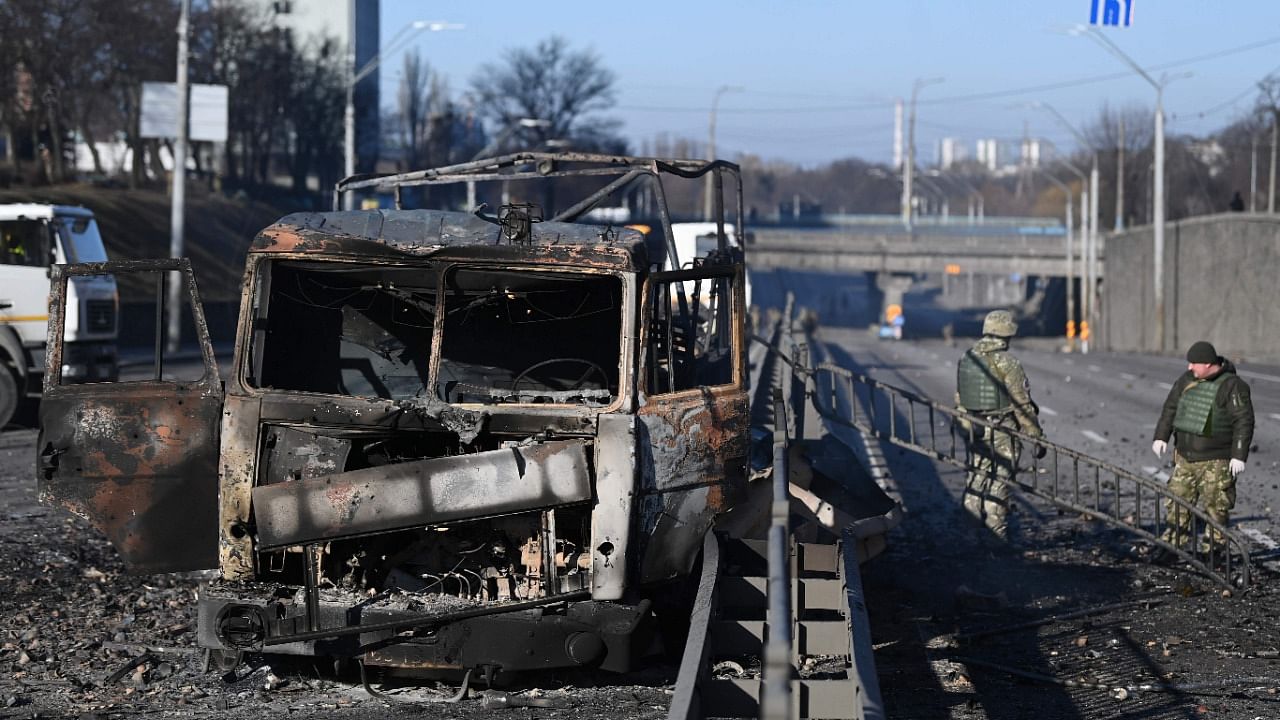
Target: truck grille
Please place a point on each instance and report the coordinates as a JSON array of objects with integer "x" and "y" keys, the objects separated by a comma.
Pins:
[{"x": 100, "y": 315}]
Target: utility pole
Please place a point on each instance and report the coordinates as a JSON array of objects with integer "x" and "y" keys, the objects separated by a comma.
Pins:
[
  {"x": 909, "y": 164},
  {"x": 349, "y": 111},
  {"x": 1271, "y": 183},
  {"x": 1091, "y": 259},
  {"x": 177, "y": 209},
  {"x": 897, "y": 134},
  {"x": 1253, "y": 172},
  {"x": 1120, "y": 178}
]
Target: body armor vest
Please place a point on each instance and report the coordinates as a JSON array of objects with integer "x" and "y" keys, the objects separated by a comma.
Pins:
[
  {"x": 980, "y": 389},
  {"x": 1196, "y": 409}
]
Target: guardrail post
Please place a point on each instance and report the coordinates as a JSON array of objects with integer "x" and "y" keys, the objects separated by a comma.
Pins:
[{"x": 775, "y": 701}]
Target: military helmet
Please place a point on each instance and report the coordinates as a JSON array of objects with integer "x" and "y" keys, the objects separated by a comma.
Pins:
[{"x": 999, "y": 323}]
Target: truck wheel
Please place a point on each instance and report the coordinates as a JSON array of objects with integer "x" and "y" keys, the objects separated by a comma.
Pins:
[{"x": 8, "y": 396}]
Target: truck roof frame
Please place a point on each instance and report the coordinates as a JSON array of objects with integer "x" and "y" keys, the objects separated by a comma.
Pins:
[{"x": 542, "y": 165}]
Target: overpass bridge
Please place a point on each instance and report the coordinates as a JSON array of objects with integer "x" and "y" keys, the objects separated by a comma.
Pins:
[{"x": 951, "y": 249}]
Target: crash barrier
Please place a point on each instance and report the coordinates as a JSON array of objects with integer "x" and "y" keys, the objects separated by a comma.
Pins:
[{"x": 1067, "y": 478}]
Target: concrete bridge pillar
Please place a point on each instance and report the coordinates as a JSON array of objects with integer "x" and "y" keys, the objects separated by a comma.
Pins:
[{"x": 893, "y": 287}]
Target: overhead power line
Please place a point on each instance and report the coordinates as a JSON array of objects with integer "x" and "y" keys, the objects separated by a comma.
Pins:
[{"x": 972, "y": 97}]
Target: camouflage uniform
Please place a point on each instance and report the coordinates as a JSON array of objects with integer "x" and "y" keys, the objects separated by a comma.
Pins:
[
  {"x": 1206, "y": 444},
  {"x": 1207, "y": 481},
  {"x": 993, "y": 454}
]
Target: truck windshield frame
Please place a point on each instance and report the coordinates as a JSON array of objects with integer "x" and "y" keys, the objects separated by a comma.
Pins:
[{"x": 383, "y": 330}]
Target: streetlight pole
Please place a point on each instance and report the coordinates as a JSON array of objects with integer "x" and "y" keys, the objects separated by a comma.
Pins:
[
  {"x": 398, "y": 41},
  {"x": 178, "y": 209},
  {"x": 1157, "y": 220},
  {"x": 709, "y": 194},
  {"x": 1071, "y": 253},
  {"x": 1071, "y": 302},
  {"x": 908, "y": 167},
  {"x": 1090, "y": 234}
]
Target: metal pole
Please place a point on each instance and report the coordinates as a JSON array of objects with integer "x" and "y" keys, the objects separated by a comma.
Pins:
[
  {"x": 349, "y": 113},
  {"x": 1120, "y": 178},
  {"x": 1092, "y": 258},
  {"x": 1271, "y": 182},
  {"x": 707, "y": 201},
  {"x": 1071, "y": 291},
  {"x": 177, "y": 210},
  {"x": 908, "y": 164},
  {"x": 1253, "y": 173},
  {"x": 1084, "y": 241},
  {"x": 1158, "y": 220}
]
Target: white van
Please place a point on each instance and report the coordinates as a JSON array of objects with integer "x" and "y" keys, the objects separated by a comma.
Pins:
[
  {"x": 32, "y": 238},
  {"x": 697, "y": 240}
]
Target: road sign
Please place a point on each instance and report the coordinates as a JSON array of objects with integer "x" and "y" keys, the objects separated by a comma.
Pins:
[
  {"x": 208, "y": 117},
  {"x": 1111, "y": 12}
]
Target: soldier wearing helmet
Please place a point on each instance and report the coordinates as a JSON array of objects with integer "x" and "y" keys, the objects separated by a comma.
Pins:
[{"x": 991, "y": 384}]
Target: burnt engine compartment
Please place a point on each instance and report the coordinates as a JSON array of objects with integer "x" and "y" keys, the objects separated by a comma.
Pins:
[{"x": 518, "y": 556}]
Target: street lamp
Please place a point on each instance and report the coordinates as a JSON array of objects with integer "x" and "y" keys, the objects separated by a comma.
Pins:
[
  {"x": 398, "y": 41},
  {"x": 1090, "y": 235},
  {"x": 1071, "y": 303},
  {"x": 908, "y": 167},
  {"x": 1157, "y": 220},
  {"x": 708, "y": 196}
]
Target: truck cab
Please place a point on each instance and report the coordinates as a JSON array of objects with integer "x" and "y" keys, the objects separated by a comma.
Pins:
[
  {"x": 449, "y": 441},
  {"x": 33, "y": 238}
]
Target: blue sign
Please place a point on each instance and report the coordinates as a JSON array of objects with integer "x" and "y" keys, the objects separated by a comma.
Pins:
[{"x": 1113, "y": 12}]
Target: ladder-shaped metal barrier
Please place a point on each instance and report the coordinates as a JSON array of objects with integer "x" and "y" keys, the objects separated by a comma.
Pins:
[{"x": 1064, "y": 477}]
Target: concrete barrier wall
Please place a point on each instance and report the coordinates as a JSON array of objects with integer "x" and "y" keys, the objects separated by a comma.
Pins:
[{"x": 1221, "y": 283}]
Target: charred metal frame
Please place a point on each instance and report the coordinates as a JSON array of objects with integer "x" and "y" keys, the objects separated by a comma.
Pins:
[
  {"x": 541, "y": 166},
  {"x": 664, "y": 461}
]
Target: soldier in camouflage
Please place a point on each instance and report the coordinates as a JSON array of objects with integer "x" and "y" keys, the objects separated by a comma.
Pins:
[
  {"x": 991, "y": 384},
  {"x": 1210, "y": 416}
]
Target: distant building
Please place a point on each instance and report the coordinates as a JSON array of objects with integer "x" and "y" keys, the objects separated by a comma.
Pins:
[
  {"x": 987, "y": 152},
  {"x": 951, "y": 151},
  {"x": 1007, "y": 156},
  {"x": 347, "y": 23}
]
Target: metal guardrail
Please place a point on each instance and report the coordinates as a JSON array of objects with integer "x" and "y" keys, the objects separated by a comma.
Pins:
[{"x": 1064, "y": 477}]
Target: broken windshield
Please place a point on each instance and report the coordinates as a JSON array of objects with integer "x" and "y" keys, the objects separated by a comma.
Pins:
[
  {"x": 365, "y": 330},
  {"x": 344, "y": 328},
  {"x": 529, "y": 336}
]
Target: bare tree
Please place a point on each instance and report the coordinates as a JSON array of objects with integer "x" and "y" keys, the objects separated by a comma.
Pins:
[
  {"x": 560, "y": 88},
  {"x": 414, "y": 98}
]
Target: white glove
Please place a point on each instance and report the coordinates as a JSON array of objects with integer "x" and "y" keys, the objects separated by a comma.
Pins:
[
  {"x": 1158, "y": 447},
  {"x": 1237, "y": 467}
]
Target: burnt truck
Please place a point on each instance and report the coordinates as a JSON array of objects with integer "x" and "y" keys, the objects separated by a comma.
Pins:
[{"x": 447, "y": 441}]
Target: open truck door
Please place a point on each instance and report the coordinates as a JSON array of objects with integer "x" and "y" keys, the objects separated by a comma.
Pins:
[
  {"x": 138, "y": 457},
  {"x": 694, "y": 415}
]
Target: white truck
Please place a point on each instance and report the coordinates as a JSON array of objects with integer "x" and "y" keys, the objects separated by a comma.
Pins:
[{"x": 32, "y": 238}]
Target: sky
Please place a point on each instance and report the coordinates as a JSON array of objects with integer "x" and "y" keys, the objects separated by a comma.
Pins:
[{"x": 816, "y": 80}]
